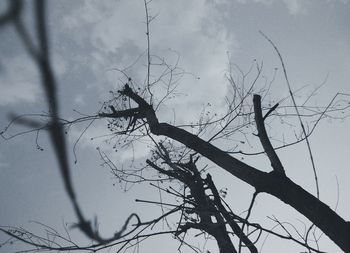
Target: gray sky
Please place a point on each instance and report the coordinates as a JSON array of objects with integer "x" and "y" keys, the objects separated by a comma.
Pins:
[{"x": 91, "y": 38}]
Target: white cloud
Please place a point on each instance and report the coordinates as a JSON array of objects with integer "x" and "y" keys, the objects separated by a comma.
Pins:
[
  {"x": 294, "y": 7},
  {"x": 98, "y": 136},
  {"x": 341, "y": 1},
  {"x": 198, "y": 36},
  {"x": 79, "y": 99},
  {"x": 3, "y": 163},
  {"x": 59, "y": 64},
  {"x": 19, "y": 81},
  {"x": 266, "y": 2},
  {"x": 90, "y": 12}
]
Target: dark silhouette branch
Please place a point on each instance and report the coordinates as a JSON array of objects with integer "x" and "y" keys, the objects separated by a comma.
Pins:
[
  {"x": 275, "y": 184},
  {"x": 264, "y": 139},
  {"x": 42, "y": 58},
  {"x": 234, "y": 226}
]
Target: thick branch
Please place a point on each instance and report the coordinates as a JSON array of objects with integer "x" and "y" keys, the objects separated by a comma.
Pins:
[
  {"x": 264, "y": 139},
  {"x": 203, "y": 207},
  {"x": 234, "y": 226},
  {"x": 121, "y": 114}
]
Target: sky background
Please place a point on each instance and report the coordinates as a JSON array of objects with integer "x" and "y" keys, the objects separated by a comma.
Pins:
[{"x": 91, "y": 38}]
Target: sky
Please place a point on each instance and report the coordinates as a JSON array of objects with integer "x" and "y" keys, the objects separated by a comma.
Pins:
[{"x": 91, "y": 39}]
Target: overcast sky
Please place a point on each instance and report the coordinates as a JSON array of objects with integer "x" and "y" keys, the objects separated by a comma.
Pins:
[{"x": 91, "y": 38}]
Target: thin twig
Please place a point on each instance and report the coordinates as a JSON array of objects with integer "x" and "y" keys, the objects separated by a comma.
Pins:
[{"x": 297, "y": 111}]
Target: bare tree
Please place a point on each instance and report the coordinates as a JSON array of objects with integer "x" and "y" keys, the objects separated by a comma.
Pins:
[{"x": 174, "y": 168}]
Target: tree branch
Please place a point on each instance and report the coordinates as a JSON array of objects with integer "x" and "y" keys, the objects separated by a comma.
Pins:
[
  {"x": 275, "y": 184},
  {"x": 264, "y": 139}
]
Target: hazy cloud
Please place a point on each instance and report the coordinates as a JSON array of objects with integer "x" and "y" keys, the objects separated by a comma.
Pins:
[
  {"x": 294, "y": 6},
  {"x": 19, "y": 81},
  {"x": 114, "y": 34}
]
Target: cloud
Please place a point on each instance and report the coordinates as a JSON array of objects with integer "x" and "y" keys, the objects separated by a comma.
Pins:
[
  {"x": 302, "y": 7},
  {"x": 79, "y": 100},
  {"x": 3, "y": 163},
  {"x": 19, "y": 81},
  {"x": 98, "y": 136},
  {"x": 294, "y": 7},
  {"x": 340, "y": 1},
  {"x": 59, "y": 64},
  {"x": 115, "y": 33}
]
